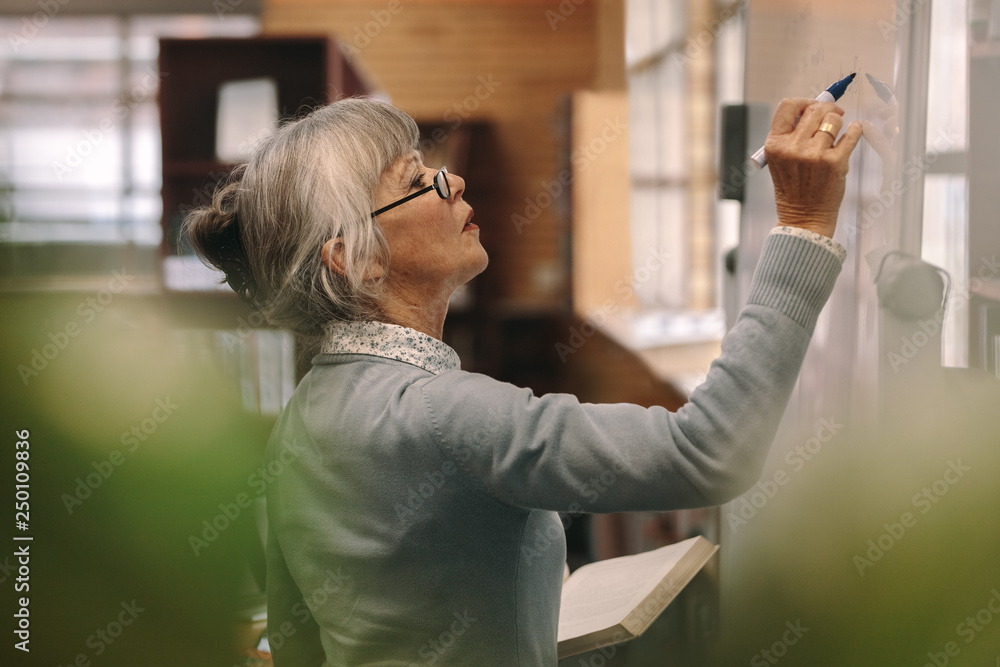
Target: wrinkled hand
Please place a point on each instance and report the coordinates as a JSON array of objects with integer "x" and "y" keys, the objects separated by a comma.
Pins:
[{"x": 809, "y": 171}]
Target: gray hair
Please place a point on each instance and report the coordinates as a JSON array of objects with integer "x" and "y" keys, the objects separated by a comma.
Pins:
[{"x": 313, "y": 180}]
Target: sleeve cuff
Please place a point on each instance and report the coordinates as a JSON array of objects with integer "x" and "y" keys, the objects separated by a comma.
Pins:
[
  {"x": 794, "y": 276},
  {"x": 838, "y": 250}
]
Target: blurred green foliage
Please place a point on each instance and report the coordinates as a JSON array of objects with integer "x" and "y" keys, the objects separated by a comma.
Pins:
[{"x": 149, "y": 438}]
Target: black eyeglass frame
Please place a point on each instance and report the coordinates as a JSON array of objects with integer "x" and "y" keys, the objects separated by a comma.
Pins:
[{"x": 439, "y": 184}]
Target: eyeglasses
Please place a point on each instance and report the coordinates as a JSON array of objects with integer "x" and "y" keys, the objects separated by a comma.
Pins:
[{"x": 440, "y": 184}]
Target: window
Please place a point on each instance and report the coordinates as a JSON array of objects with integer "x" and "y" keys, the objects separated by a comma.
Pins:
[
  {"x": 683, "y": 60},
  {"x": 79, "y": 131},
  {"x": 946, "y": 216},
  {"x": 658, "y": 149}
]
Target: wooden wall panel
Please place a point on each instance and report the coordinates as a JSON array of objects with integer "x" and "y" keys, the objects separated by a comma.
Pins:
[{"x": 602, "y": 242}]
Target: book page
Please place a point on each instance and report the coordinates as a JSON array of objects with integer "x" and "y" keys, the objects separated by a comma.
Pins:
[{"x": 600, "y": 595}]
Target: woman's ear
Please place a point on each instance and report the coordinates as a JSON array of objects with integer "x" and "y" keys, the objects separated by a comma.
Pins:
[{"x": 333, "y": 257}]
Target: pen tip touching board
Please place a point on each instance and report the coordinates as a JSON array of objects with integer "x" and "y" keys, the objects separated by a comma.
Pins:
[{"x": 838, "y": 89}]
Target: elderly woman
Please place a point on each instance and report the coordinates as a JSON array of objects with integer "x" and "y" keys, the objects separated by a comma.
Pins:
[{"x": 412, "y": 517}]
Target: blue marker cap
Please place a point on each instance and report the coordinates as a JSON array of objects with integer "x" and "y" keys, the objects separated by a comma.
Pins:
[{"x": 837, "y": 89}]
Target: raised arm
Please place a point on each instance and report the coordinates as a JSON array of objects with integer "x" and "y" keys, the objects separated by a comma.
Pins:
[{"x": 554, "y": 453}]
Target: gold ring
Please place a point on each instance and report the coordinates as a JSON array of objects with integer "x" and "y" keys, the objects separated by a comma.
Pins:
[{"x": 829, "y": 129}]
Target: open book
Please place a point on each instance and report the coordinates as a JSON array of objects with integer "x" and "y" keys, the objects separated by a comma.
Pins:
[{"x": 615, "y": 600}]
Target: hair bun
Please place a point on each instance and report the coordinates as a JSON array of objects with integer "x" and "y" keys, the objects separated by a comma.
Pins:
[
  {"x": 234, "y": 263},
  {"x": 214, "y": 233}
]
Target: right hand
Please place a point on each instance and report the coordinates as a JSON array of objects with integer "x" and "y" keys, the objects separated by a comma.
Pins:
[{"x": 808, "y": 169}]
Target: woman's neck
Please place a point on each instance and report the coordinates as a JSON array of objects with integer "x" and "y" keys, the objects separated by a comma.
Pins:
[{"x": 417, "y": 310}]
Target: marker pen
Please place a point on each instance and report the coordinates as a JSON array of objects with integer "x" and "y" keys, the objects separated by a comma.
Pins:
[{"x": 831, "y": 94}]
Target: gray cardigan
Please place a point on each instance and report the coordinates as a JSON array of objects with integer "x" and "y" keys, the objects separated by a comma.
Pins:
[{"x": 413, "y": 506}]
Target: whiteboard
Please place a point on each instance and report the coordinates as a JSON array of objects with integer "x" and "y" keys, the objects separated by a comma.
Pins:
[{"x": 860, "y": 529}]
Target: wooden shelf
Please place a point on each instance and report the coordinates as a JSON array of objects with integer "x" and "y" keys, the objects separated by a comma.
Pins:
[{"x": 196, "y": 168}]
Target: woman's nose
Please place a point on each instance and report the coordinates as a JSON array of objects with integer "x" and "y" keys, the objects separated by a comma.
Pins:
[{"x": 456, "y": 183}]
